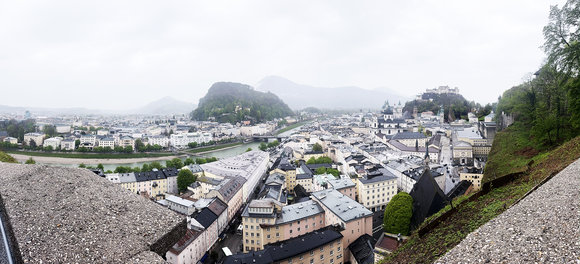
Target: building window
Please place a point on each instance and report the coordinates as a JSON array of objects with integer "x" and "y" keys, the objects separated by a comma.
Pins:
[
  {"x": 312, "y": 253},
  {"x": 321, "y": 257}
]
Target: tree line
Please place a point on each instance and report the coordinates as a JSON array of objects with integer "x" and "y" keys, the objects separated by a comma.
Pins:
[{"x": 547, "y": 103}]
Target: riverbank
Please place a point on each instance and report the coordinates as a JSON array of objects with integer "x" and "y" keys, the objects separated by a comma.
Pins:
[
  {"x": 199, "y": 153},
  {"x": 90, "y": 155},
  {"x": 290, "y": 127},
  {"x": 203, "y": 150},
  {"x": 88, "y": 161}
]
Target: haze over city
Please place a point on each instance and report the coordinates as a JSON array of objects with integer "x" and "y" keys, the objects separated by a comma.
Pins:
[{"x": 127, "y": 54}]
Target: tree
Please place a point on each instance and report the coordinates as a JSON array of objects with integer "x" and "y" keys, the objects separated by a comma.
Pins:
[
  {"x": 49, "y": 130},
  {"x": 128, "y": 149},
  {"x": 32, "y": 143},
  {"x": 317, "y": 147},
  {"x": 320, "y": 170},
  {"x": 273, "y": 144},
  {"x": 139, "y": 145},
  {"x": 100, "y": 167},
  {"x": 562, "y": 35},
  {"x": 184, "y": 178},
  {"x": 77, "y": 143},
  {"x": 145, "y": 168},
  {"x": 188, "y": 161},
  {"x": 155, "y": 165},
  {"x": 174, "y": 163},
  {"x": 30, "y": 161},
  {"x": 82, "y": 165},
  {"x": 320, "y": 160},
  {"x": 249, "y": 149},
  {"x": 398, "y": 214},
  {"x": 200, "y": 161},
  {"x": 263, "y": 146}
]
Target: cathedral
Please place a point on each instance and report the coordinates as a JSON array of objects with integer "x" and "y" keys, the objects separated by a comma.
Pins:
[{"x": 390, "y": 121}]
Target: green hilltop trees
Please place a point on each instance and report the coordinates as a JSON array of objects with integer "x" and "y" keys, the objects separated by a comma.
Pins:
[
  {"x": 184, "y": 178},
  {"x": 398, "y": 214},
  {"x": 548, "y": 105}
]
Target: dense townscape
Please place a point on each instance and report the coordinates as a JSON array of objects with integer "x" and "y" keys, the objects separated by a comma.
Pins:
[
  {"x": 328, "y": 182},
  {"x": 287, "y": 173}
]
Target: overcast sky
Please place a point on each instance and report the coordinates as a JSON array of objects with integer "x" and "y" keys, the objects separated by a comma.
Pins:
[{"x": 124, "y": 54}]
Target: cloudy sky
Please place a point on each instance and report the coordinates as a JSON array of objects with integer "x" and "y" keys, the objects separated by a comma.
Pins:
[{"x": 124, "y": 54}]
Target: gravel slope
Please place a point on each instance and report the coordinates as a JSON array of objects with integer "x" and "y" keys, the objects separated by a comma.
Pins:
[{"x": 544, "y": 227}]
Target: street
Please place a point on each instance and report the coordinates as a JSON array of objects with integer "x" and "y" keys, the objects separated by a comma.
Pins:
[
  {"x": 377, "y": 224},
  {"x": 446, "y": 153}
]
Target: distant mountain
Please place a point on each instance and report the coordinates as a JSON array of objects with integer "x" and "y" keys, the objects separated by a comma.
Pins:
[
  {"x": 49, "y": 111},
  {"x": 165, "y": 106},
  {"x": 234, "y": 102},
  {"x": 300, "y": 96}
]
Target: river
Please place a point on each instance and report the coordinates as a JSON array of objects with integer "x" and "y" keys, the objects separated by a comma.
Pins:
[{"x": 220, "y": 154}]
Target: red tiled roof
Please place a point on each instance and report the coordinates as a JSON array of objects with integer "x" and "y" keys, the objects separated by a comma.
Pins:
[{"x": 189, "y": 237}]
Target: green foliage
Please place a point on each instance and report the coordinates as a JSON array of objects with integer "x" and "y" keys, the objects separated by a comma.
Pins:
[
  {"x": 263, "y": 146},
  {"x": 82, "y": 165},
  {"x": 8, "y": 145},
  {"x": 30, "y": 161},
  {"x": 49, "y": 130},
  {"x": 174, "y": 163},
  {"x": 317, "y": 147},
  {"x": 398, "y": 214},
  {"x": 100, "y": 167},
  {"x": 235, "y": 102},
  {"x": 145, "y": 168},
  {"x": 249, "y": 149},
  {"x": 6, "y": 158},
  {"x": 188, "y": 161},
  {"x": 155, "y": 165},
  {"x": 273, "y": 144},
  {"x": 185, "y": 178},
  {"x": 17, "y": 129},
  {"x": 323, "y": 170},
  {"x": 320, "y": 160},
  {"x": 123, "y": 169},
  {"x": 454, "y": 105}
]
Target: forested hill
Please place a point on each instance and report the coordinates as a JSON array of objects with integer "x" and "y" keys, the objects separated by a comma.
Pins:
[
  {"x": 454, "y": 105},
  {"x": 234, "y": 102}
]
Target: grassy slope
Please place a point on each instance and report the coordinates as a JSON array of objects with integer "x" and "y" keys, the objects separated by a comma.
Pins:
[
  {"x": 211, "y": 148},
  {"x": 6, "y": 158},
  {"x": 289, "y": 127},
  {"x": 92, "y": 155},
  {"x": 508, "y": 156}
]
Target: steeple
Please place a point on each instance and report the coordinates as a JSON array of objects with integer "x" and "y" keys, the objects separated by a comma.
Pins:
[{"x": 427, "y": 158}]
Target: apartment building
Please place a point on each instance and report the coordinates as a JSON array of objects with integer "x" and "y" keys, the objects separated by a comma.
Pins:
[
  {"x": 267, "y": 221},
  {"x": 376, "y": 189},
  {"x": 53, "y": 142},
  {"x": 343, "y": 211},
  {"x": 324, "y": 246},
  {"x": 38, "y": 138}
]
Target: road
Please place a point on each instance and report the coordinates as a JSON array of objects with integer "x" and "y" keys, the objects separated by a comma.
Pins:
[
  {"x": 377, "y": 224},
  {"x": 446, "y": 153}
]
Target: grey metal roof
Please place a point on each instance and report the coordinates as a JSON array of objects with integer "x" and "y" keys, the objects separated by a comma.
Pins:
[
  {"x": 341, "y": 205},
  {"x": 342, "y": 183},
  {"x": 409, "y": 135},
  {"x": 297, "y": 211}
]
